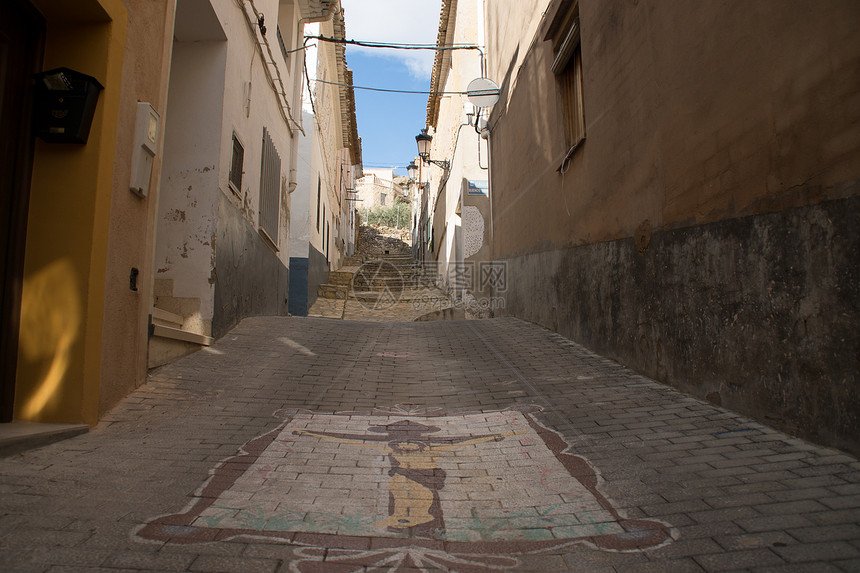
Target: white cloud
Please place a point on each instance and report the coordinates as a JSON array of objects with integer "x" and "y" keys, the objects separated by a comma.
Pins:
[{"x": 395, "y": 21}]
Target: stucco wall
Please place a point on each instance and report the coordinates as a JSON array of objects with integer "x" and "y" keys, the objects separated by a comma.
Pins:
[
  {"x": 456, "y": 142},
  {"x": 303, "y": 199},
  {"x": 132, "y": 221},
  {"x": 219, "y": 90},
  {"x": 63, "y": 294},
  {"x": 188, "y": 202},
  {"x": 694, "y": 112}
]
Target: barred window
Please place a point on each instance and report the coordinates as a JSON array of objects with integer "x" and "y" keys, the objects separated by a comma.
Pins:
[
  {"x": 319, "y": 198},
  {"x": 282, "y": 45},
  {"x": 236, "y": 165},
  {"x": 270, "y": 186}
]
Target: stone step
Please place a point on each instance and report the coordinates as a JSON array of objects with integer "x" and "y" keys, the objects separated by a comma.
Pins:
[
  {"x": 166, "y": 318},
  {"x": 361, "y": 282},
  {"x": 327, "y": 308},
  {"x": 338, "y": 292},
  {"x": 172, "y": 333},
  {"x": 340, "y": 278},
  {"x": 17, "y": 437}
]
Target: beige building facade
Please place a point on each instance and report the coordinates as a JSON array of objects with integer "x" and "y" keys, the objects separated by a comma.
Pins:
[{"x": 675, "y": 185}]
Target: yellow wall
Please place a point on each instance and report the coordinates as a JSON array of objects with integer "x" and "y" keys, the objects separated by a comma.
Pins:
[{"x": 62, "y": 301}]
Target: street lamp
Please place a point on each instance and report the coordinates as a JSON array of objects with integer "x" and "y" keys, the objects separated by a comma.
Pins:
[
  {"x": 423, "y": 140},
  {"x": 412, "y": 170}
]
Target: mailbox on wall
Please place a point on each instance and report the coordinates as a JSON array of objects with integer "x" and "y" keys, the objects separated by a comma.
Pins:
[{"x": 65, "y": 105}]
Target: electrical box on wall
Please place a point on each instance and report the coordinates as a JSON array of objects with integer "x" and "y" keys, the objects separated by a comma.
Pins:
[{"x": 145, "y": 144}]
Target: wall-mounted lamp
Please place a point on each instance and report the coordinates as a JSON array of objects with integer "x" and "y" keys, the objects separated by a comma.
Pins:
[
  {"x": 412, "y": 170},
  {"x": 423, "y": 140}
]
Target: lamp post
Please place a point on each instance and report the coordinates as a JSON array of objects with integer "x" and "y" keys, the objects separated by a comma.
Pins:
[{"x": 423, "y": 140}]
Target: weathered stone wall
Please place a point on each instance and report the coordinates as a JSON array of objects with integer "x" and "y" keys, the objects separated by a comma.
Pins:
[{"x": 759, "y": 314}]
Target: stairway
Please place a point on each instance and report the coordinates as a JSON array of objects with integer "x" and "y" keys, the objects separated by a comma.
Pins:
[
  {"x": 337, "y": 287},
  {"x": 177, "y": 328}
]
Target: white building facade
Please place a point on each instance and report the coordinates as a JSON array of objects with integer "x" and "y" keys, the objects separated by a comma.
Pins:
[
  {"x": 454, "y": 207},
  {"x": 231, "y": 132},
  {"x": 323, "y": 215}
]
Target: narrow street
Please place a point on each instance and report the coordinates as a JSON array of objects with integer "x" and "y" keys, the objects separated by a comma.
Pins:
[{"x": 309, "y": 444}]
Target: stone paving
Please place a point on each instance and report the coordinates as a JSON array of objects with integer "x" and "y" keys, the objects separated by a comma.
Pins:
[
  {"x": 418, "y": 304},
  {"x": 305, "y": 444}
]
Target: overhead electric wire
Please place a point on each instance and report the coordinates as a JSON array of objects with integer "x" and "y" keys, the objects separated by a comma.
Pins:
[
  {"x": 395, "y": 46},
  {"x": 394, "y": 91}
]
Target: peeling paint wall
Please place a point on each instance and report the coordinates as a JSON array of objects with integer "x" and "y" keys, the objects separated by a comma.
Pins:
[{"x": 188, "y": 206}]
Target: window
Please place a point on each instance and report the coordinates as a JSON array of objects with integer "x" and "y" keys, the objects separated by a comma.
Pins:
[
  {"x": 235, "y": 180},
  {"x": 382, "y": 197},
  {"x": 319, "y": 189},
  {"x": 270, "y": 187},
  {"x": 567, "y": 67},
  {"x": 283, "y": 47}
]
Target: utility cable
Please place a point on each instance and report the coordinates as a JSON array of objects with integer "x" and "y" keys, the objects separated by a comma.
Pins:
[
  {"x": 395, "y": 46},
  {"x": 474, "y": 92}
]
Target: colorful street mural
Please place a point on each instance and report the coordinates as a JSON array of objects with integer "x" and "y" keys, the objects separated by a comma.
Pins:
[{"x": 396, "y": 489}]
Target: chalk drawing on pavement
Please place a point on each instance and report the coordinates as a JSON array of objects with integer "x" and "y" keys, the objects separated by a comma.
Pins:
[{"x": 472, "y": 490}]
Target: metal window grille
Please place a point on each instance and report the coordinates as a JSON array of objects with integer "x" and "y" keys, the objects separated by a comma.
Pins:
[
  {"x": 270, "y": 180},
  {"x": 236, "y": 165},
  {"x": 284, "y": 51}
]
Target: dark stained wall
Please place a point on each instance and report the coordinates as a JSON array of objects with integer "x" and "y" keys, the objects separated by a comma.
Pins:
[
  {"x": 249, "y": 278},
  {"x": 758, "y": 314},
  {"x": 306, "y": 275}
]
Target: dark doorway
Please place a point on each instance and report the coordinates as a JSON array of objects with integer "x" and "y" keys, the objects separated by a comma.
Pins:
[{"x": 21, "y": 47}]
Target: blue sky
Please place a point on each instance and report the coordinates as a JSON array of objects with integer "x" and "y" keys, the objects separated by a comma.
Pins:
[{"x": 388, "y": 123}]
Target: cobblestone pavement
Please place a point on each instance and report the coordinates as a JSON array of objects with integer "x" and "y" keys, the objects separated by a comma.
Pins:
[{"x": 302, "y": 444}]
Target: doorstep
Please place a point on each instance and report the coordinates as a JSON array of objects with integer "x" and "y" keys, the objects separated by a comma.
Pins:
[{"x": 17, "y": 437}]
